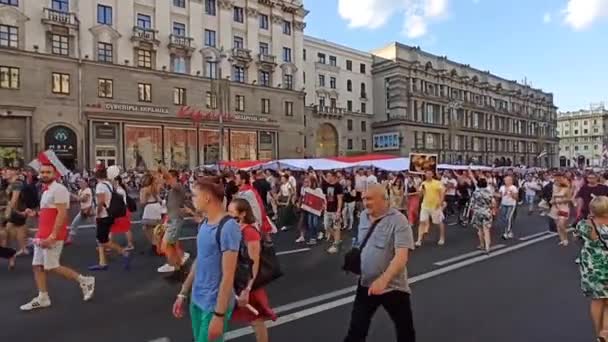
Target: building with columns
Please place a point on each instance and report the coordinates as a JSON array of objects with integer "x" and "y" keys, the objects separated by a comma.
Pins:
[
  {"x": 583, "y": 136},
  {"x": 134, "y": 82}
]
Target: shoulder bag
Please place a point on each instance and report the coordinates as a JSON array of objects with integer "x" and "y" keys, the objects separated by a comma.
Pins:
[{"x": 352, "y": 259}]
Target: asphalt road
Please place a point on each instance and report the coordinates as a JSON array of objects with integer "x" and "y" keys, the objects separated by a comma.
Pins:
[{"x": 526, "y": 290}]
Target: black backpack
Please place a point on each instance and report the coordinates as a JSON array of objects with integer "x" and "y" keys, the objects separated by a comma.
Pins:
[
  {"x": 117, "y": 207},
  {"x": 29, "y": 196},
  {"x": 244, "y": 265}
]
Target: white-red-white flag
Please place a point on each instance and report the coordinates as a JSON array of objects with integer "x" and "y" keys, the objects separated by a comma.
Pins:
[
  {"x": 313, "y": 201},
  {"x": 47, "y": 157}
]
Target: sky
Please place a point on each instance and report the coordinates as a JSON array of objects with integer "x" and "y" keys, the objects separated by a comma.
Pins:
[{"x": 559, "y": 46}]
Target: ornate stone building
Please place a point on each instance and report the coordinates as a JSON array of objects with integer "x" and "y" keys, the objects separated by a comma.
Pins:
[{"x": 582, "y": 136}]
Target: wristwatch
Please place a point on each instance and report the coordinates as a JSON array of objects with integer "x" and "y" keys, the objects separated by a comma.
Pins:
[{"x": 215, "y": 313}]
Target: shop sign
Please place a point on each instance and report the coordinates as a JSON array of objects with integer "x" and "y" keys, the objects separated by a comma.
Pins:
[
  {"x": 106, "y": 132},
  {"x": 198, "y": 116},
  {"x": 125, "y": 107},
  {"x": 62, "y": 140},
  {"x": 386, "y": 141}
]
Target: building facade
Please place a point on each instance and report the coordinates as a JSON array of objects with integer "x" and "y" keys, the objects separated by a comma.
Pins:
[
  {"x": 339, "y": 98},
  {"x": 135, "y": 82},
  {"x": 427, "y": 103},
  {"x": 582, "y": 137}
]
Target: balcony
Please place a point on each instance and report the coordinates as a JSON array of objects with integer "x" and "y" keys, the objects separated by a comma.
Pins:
[
  {"x": 181, "y": 43},
  {"x": 59, "y": 18},
  {"x": 144, "y": 35},
  {"x": 267, "y": 59},
  {"x": 329, "y": 112},
  {"x": 241, "y": 55}
]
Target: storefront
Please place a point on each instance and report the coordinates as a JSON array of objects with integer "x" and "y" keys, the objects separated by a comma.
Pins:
[
  {"x": 143, "y": 142},
  {"x": 15, "y": 139},
  {"x": 63, "y": 141}
]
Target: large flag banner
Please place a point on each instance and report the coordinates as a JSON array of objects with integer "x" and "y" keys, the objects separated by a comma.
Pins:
[{"x": 313, "y": 202}]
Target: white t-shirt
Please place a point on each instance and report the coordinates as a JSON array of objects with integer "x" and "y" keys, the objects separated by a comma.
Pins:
[
  {"x": 104, "y": 188},
  {"x": 360, "y": 183},
  {"x": 447, "y": 181},
  {"x": 531, "y": 187},
  {"x": 292, "y": 181},
  {"x": 371, "y": 179},
  {"x": 287, "y": 189},
  {"x": 504, "y": 193},
  {"x": 55, "y": 194},
  {"x": 89, "y": 202}
]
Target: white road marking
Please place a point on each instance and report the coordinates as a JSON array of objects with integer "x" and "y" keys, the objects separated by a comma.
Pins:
[
  {"x": 466, "y": 255},
  {"x": 347, "y": 300},
  {"x": 525, "y": 238},
  {"x": 293, "y": 251},
  {"x": 313, "y": 300}
]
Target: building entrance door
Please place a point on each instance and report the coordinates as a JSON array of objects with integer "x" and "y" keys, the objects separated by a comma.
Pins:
[
  {"x": 106, "y": 155},
  {"x": 327, "y": 141}
]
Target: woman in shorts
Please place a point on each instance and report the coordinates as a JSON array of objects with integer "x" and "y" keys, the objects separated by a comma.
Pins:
[
  {"x": 482, "y": 203},
  {"x": 149, "y": 198}
]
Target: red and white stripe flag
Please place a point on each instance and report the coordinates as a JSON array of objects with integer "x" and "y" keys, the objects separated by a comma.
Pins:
[{"x": 47, "y": 157}]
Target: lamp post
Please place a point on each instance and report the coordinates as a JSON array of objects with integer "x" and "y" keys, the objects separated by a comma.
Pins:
[{"x": 453, "y": 123}]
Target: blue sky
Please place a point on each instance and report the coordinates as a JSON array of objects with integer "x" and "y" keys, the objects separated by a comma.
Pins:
[{"x": 560, "y": 46}]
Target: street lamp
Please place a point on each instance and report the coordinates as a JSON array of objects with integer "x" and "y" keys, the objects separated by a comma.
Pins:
[{"x": 453, "y": 123}]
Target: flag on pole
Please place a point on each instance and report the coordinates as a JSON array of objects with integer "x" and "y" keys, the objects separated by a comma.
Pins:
[
  {"x": 542, "y": 154},
  {"x": 47, "y": 157}
]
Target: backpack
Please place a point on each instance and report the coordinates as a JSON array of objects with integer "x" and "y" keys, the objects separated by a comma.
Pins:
[
  {"x": 131, "y": 204},
  {"x": 117, "y": 207},
  {"x": 29, "y": 196},
  {"x": 244, "y": 265}
]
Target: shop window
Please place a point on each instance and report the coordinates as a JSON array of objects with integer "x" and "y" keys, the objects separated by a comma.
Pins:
[
  {"x": 9, "y": 36},
  {"x": 144, "y": 92},
  {"x": 265, "y": 106},
  {"x": 179, "y": 96},
  {"x": 11, "y": 156},
  {"x": 288, "y": 108},
  {"x": 142, "y": 147},
  {"x": 60, "y": 44},
  {"x": 9, "y": 77},
  {"x": 180, "y": 148},
  {"x": 239, "y": 103},
  {"x": 243, "y": 145},
  {"x": 267, "y": 145},
  {"x": 105, "y": 88},
  {"x": 61, "y": 83},
  {"x": 209, "y": 148}
]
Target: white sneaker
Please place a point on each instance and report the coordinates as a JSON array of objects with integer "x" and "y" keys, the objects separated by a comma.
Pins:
[
  {"x": 441, "y": 242},
  {"x": 333, "y": 249},
  {"x": 300, "y": 239},
  {"x": 36, "y": 303},
  {"x": 320, "y": 236},
  {"x": 87, "y": 285},
  {"x": 185, "y": 257},
  {"x": 418, "y": 243},
  {"x": 284, "y": 229},
  {"x": 166, "y": 268}
]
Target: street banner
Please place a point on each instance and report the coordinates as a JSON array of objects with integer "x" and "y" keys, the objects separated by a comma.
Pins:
[
  {"x": 313, "y": 202},
  {"x": 421, "y": 162}
]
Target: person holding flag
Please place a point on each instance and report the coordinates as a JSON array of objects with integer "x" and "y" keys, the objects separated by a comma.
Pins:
[{"x": 249, "y": 193}]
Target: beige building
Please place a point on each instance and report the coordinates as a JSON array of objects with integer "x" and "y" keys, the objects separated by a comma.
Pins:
[
  {"x": 582, "y": 137},
  {"x": 427, "y": 103},
  {"x": 135, "y": 82}
]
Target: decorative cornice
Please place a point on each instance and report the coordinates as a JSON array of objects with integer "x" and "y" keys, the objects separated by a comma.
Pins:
[
  {"x": 225, "y": 4},
  {"x": 252, "y": 13},
  {"x": 299, "y": 25},
  {"x": 99, "y": 29},
  {"x": 277, "y": 19}
]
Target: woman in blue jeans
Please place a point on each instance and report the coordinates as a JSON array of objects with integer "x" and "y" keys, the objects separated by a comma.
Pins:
[{"x": 311, "y": 221}]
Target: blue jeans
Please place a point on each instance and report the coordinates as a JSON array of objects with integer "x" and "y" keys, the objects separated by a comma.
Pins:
[
  {"x": 506, "y": 215},
  {"x": 77, "y": 222},
  {"x": 312, "y": 225}
]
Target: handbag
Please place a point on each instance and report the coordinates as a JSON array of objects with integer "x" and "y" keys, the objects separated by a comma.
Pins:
[{"x": 352, "y": 259}]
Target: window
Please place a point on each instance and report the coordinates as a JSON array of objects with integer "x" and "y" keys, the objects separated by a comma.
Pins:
[
  {"x": 304, "y": 77},
  {"x": 596, "y": 147},
  {"x": 304, "y": 54},
  {"x": 61, "y": 83},
  {"x": 264, "y": 49},
  {"x": 9, "y": 36},
  {"x": 265, "y": 78},
  {"x": 145, "y": 92},
  {"x": 179, "y": 96},
  {"x": 321, "y": 101},
  {"x": 238, "y": 14},
  {"x": 349, "y": 105},
  {"x": 288, "y": 81},
  {"x": 576, "y": 148},
  {"x": 265, "y": 106},
  {"x": 10, "y": 2},
  {"x": 585, "y": 131},
  {"x": 567, "y": 148},
  {"x": 144, "y": 21},
  {"x": 105, "y": 88},
  {"x": 104, "y": 52},
  {"x": 144, "y": 58},
  {"x": 240, "y": 103},
  {"x": 363, "y": 126},
  {"x": 9, "y": 77},
  {"x": 349, "y": 65},
  {"x": 585, "y": 147},
  {"x": 362, "y": 68},
  {"x": 321, "y": 80},
  {"x": 333, "y": 61},
  {"x": 179, "y": 29},
  {"x": 238, "y": 42},
  {"x": 210, "y": 7},
  {"x": 363, "y": 93},
  {"x": 286, "y": 55},
  {"x": 332, "y": 102},
  {"x": 332, "y": 82},
  {"x": 210, "y": 38},
  {"x": 179, "y": 64},
  {"x": 321, "y": 58},
  {"x": 576, "y": 131},
  {"x": 60, "y": 45},
  {"x": 349, "y": 144},
  {"x": 211, "y": 70},
  {"x": 104, "y": 15},
  {"x": 575, "y": 123},
  {"x": 349, "y": 125},
  {"x": 239, "y": 73},
  {"x": 363, "y": 108},
  {"x": 288, "y": 108},
  {"x": 263, "y": 21},
  {"x": 349, "y": 85},
  {"x": 585, "y": 123},
  {"x": 363, "y": 144},
  {"x": 286, "y": 27},
  {"x": 210, "y": 100},
  {"x": 595, "y": 130},
  {"x": 60, "y": 5},
  {"x": 179, "y": 3}
]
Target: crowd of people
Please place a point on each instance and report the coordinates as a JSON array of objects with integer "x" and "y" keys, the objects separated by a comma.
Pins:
[{"x": 240, "y": 211}]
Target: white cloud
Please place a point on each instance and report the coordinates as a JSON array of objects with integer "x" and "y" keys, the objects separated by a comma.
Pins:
[
  {"x": 547, "y": 18},
  {"x": 373, "y": 14},
  {"x": 580, "y": 14},
  {"x": 475, "y": 1}
]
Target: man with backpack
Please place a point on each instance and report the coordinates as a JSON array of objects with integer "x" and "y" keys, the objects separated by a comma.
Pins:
[
  {"x": 110, "y": 206},
  {"x": 22, "y": 201}
]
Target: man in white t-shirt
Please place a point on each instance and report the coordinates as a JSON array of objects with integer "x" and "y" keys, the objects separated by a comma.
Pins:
[
  {"x": 449, "y": 182},
  {"x": 371, "y": 178},
  {"x": 85, "y": 198},
  {"x": 509, "y": 195},
  {"x": 531, "y": 186}
]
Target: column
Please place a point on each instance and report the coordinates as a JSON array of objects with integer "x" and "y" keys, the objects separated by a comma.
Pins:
[
  {"x": 124, "y": 17},
  {"x": 252, "y": 41},
  {"x": 224, "y": 34},
  {"x": 276, "y": 29},
  {"x": 195, "y": 31},
  {"x": 298, "y": 47},
  {"x": 164, "y": 27}
]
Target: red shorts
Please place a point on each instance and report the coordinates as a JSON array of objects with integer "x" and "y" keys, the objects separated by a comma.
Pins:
[{"x": 122, "y": 224}]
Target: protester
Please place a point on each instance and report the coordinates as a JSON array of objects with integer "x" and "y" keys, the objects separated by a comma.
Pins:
[
  {"x": 482, "y": 203},
  {"x": 508, "y": 194},
  {"x": 433, "y": 197},
  {"x": 248, "y": 192},
  {"x": 384, "y": 279},
  {"x": 285, "y": 200},
  {"x": 86, "y": 212},
  {"x": 333, "y": 211},
  {"x": 531, "y": 186},
  {"x": 560, "y": 207},
  {"x": 396, "y": 191},
  {"x": 311, "y": 219},
  {"x": 350, "y": 196},
  {"x": 413, "y": 198},
  {"x": 122, "y": 225},
  {"x": 52, "y": 232},
  {"x": 149, "y": 198},
  {"x": 593, "y": 188},
  {"x": 16, "y": 211}
]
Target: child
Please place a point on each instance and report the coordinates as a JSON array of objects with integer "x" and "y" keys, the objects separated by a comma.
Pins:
[{"x": 241, "y": 210}]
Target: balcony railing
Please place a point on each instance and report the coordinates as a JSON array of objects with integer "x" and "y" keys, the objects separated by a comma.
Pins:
[
  {"x": 180, "y": 41},
  {"x": 56, "y": 17},
  {"x": 144, "y": 34},
  {"x": 268, "y": 59},
  {"x": 328, "y": 110},
  {"x": 242, "y": 54}
]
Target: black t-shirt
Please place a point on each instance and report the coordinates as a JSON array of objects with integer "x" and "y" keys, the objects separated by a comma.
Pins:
[
  {"x": 348, "y": 198},
  {"x": 230, "y": 190},
  {"x": 262, "y": 187},
  {"x": 331, "y": 192},
  {"x": 586, "y": 193}
]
